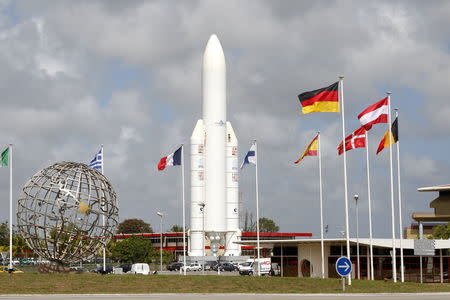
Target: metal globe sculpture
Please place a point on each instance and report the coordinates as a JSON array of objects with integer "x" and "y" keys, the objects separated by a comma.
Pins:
[{"x": 67, "y": 212}]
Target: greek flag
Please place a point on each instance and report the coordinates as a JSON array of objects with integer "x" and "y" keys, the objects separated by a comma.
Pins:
[
  {"x": 97, "y": 162},
  {"x": 250, "y": 157}
]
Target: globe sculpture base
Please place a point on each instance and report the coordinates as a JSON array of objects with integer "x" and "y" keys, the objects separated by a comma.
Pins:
[{"x": 56, "y": 268}]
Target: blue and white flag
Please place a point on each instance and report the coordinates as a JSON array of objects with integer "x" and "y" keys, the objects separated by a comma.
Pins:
[
  {"x": 97, "y": 162},
  {"x": 250, "y": 157}
]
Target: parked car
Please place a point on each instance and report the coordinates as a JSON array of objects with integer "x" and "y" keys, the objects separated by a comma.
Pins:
[
  {"x": 175, "y": 266},
  {"x": 25, "y": 262},
  {"x": 143, "y": 269},
  {"x": 125, "y": 267},
  {"x": 225, "y": 267},
  {"x": 100, "y": 270},
  {"x": 192, "y": 267},
  {"x": 14, "y": 270},
  {"x": 209, "y": 265}
]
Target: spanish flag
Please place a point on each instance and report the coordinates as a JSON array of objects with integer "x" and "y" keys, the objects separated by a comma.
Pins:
[
  {"x": 324, "y": 99},
  {"x": 311, "y": 150},
  {"x": 386, "y": 142}
]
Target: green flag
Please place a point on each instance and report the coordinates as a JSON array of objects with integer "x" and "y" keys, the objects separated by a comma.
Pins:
[{"x": 5, "y": 157}]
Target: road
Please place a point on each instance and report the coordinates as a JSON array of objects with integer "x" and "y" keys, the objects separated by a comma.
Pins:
[{"x": 428, "y": 296}]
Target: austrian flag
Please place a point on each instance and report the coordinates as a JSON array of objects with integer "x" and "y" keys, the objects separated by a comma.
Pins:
[
  {"x": 173, "y": 159},
  {"x": 374, "y": 114},
  {"x": 355, "y": 140}
]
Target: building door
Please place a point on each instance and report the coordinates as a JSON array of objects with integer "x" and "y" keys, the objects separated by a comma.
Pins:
[{"x": 306, "y": 268}]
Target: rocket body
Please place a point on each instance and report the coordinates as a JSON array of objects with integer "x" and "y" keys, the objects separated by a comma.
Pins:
[
  {"x": 214, "y": 118},
  {"x": 214, "y": 163}
]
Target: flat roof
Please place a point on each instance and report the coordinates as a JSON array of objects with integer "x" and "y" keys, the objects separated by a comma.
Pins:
[
  {"x": 252, "y": 234},
  {"x": 277, "y": 234},
  {"x": 437, "y": 188},
  {"x": 383, "y": 243},
  {"x": 430, "y": 217}
]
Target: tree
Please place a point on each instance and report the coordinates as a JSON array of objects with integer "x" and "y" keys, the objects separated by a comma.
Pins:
[
  {"x": 19, "y": 244},
  {"x": 135, "y": 249},
  {"x": 442, "y": 232},
  {"x": 20, "y": 247},
  {"x": 109, "y": 248},
  {"x": 267, "y": 225},
  {"x": 155, "y": 256},
  {"x": 4, "y": 234},
  {"x": 249, "y": 224},
  {"x": 134, "y": 226},
  {"x": 176, "y": 228}
]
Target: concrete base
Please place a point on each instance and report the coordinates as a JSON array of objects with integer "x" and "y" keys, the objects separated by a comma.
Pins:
[{"x": 56, "y": 268}]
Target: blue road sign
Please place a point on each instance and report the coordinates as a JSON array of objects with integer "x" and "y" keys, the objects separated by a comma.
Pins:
[{"x": 343, "y": 266}]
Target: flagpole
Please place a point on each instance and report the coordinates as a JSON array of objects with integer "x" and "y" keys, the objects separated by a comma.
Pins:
[
  {"x": 257, "y": 206},
  {"x": 321, "y": 209},
  {"x": 341, "y": 94},
  {"x": 394, "y": 260},
  {"x": 399, "y": 203},
  {"x": 10, "y": 207},
  {"x": 103, "y": 217},
  {"x": 370, "y": 207},
  {"x": 184, "y": 210}
]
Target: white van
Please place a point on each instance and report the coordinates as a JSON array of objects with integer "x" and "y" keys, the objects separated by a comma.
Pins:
[
  {"x": 143, "y": 269},
  {"x": 250, "y": 267}
]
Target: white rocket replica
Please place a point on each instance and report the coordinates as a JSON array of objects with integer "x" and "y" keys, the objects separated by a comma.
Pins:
[{"x": 214, "y": 163}]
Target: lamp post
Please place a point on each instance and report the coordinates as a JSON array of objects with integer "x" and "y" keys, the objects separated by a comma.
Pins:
[
  {"x": 202, "y": 205},
  {"x": 161, "y": 240},
  {"x": 343, "y": 235},
  {"x": 357, "y": 237}
]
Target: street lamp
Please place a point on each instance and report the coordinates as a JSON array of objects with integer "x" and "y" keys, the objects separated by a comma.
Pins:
[
  {"x": 202, "y": 205},
  {"x": 343, "y": 234},
  {"x": 161, "y": 240},
  {"x": 357, "y": 237}
]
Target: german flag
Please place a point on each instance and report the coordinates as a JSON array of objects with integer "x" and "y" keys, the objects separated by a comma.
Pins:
[
  {"x": 324, "y": 99},
  {"x": 311, "y": 150},
  {"x": 386, "y": 142}
]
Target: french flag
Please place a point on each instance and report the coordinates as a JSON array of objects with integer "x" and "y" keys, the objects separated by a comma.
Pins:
[{"x": 173, "y": 159}]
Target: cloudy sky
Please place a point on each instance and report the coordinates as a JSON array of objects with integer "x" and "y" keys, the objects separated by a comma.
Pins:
[{"x": 127, "y": 74}]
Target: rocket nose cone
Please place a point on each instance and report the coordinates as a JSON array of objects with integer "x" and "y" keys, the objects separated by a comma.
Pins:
[
  {"x": 213, "y": 39},
  {"x": 213, "y": 57}
]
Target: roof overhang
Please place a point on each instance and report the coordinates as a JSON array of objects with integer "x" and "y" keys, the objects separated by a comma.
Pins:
[
  {"x": 383, "y": 243},
  {"x": 427, "y": 217},
  {"x": 437, "y": 188}
]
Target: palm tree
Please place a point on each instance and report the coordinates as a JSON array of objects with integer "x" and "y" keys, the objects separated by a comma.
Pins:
[{"x": 19, "y": 246}]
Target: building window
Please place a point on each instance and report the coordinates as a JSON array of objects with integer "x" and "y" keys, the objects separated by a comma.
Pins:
[{"x": 287, "y": 251}]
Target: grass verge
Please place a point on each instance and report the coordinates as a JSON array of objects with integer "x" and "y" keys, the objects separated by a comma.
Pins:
[{"x": 34, "y": 283}]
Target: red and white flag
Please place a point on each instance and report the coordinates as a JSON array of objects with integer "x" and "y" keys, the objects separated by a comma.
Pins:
[
  {"x": 355, "y": 140},
  {"x": 374, "y": 114}
]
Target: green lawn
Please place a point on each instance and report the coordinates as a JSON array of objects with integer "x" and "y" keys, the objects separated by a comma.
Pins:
[{"x": 34, "y": 283}]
